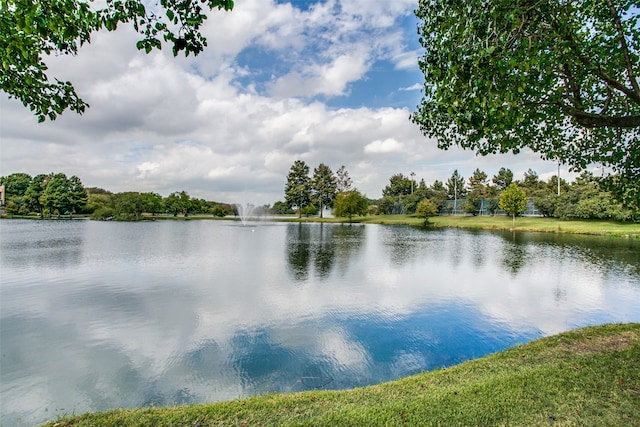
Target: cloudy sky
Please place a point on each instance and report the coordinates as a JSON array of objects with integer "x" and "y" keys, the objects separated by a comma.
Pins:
[{"x": 330, "y": 81}]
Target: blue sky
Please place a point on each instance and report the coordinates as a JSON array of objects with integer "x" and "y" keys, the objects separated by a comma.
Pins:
[{"x": 330, "y": 82}]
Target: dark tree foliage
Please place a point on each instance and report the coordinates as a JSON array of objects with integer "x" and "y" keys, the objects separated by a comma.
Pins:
[
  {"x": 323, "y": 186},
  {"x": 557, "y": 77},
  {"x": 30, "y": 30},
  {"x": 297, "y": 190}
]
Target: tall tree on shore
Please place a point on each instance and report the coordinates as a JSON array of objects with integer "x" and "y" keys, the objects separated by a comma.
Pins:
[
  {"x": 399, "y": 185},
  {"x": 478, "y": 190},
  {"x": 297, "y": 190},
  {"x": 456, "y": 186},
  {"x": 343, "y": 180},
  {"x": 503, "y": 179},
  {"x": 323, "y": 187},
  {"x": 34, "y": 192}
]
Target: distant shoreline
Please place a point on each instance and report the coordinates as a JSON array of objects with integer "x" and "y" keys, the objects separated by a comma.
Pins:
[{"x": 485, "y": 222}]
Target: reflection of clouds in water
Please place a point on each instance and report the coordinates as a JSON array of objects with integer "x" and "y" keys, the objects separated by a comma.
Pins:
[{"x": 343, "y": 351}]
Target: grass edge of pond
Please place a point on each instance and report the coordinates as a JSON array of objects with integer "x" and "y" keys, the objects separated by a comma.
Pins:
[
  {"x": 586, "y": 376},
  {"x": 484, "y": 222}
]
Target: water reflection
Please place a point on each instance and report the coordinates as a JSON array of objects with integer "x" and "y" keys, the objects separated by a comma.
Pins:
[
  {"x": 188, "y": 312},
  {"x": 320, "y": 246}
]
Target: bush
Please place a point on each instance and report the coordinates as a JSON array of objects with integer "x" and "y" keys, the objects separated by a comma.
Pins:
[{"x": 102, "y": 213}]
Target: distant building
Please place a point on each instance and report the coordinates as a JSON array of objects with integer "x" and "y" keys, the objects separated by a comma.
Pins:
[{"x": 2, "y": 195}]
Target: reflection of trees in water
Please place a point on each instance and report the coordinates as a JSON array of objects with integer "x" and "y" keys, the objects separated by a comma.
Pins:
[
  {"x": 324, "y": 250},
  {"x": 600, "y": 252},
  {"x": 320, "y": 245},
  {"x": 514, "y": 253},
  {"x": 298, "y": 251},
  {"x": 514, "y": 257},
  {"x": 405, "y": 244}
]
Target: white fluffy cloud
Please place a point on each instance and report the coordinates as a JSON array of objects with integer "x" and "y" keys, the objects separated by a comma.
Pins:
[{"x": 227, "y": 125}]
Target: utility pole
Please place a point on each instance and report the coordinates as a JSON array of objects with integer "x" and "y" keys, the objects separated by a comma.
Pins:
[{"x": 412, "y": 180}]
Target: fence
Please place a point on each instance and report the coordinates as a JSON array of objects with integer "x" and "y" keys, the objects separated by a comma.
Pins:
[{"x": 454, "y": 207}]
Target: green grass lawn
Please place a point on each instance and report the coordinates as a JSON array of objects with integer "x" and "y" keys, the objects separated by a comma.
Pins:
[
  {"x": 552, "y": 225},
  {"x": 549, "y": 225},
  {"x": 585, "y": 377}
]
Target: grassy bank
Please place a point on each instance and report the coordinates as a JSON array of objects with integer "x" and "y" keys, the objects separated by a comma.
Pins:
[
  {"x": 538, "y": 224},
  {"x": 586, "y": 377},
  {"x": 549, "y": 225}
]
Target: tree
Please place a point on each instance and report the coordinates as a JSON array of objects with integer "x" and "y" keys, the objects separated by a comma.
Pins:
[
  {"x": 559, "y": 78},
  {"x": 478, "y": 190},
  {"x": 15, "y": 187},
  {"x": 531, "y": 182},
  {"x": 426, "y": 209},
  {"x": 55, "y": 196},
  {"x": 152, "y": 203},
  {"x": 281, "y": 208},
  {"x": 343, "y": 180},
  {"x": 350, "y": 204},
  {"x": 128, "y": 206},
  {"x": 399, "y": 185},
  {"x": 438, "y": 194},
  {"x": 455, "y": 186},
  {"x": 77, "y": 195},
  {"x": 30, "y": 30},
  {"x": 179, "y": 203},
  {"x": 323, "y": 187},
  {"x": 503, "y": 179},
  {"x": 98, "y": 203},
  {"x": 513, "y": 201},
  {"x": 15, "y": 184},
  {"x": 297, "y": 190},
  {"x": 34, "y": 192}
]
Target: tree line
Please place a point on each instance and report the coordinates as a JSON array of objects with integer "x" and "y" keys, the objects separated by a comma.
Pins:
[
  {"x": 308, "y": 194},
  {"x": 584, "y": 198},
  {"x": 52, "y": 194},
  {"x": 56, "y": 195}
]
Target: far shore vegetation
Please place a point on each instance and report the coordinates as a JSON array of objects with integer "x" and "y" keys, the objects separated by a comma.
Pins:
[
  {"x": 477, "y": 202},
  {"x": 584, "y": 377}
]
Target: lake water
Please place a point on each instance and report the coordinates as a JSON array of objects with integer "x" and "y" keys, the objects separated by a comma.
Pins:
[{"x": 99, "y": 315}]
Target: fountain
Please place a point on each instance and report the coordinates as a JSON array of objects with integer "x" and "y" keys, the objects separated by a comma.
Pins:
[{"x": 244, "y": 211}]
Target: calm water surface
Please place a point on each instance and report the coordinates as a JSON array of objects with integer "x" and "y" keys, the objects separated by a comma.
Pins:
[{"x": 99, "y": 315}]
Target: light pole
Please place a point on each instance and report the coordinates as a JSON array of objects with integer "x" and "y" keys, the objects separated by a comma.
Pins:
[
  {"x": 412, "y": 180},
  {"x": 558, "y": 177},
  {"x": 455, "y": 195}
]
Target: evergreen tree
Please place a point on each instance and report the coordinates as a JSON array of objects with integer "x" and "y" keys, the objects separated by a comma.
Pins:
[
  {"x": 343, "y": 180},
  {"x": 478, "y": 190},
  {"x": 399, "y": 185},
  {"x": 297, "y": 190},
  {"x": 455, "y": 186},
  {"x": 503, "y": 179},
  {"x": 324, "y": 187}
]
